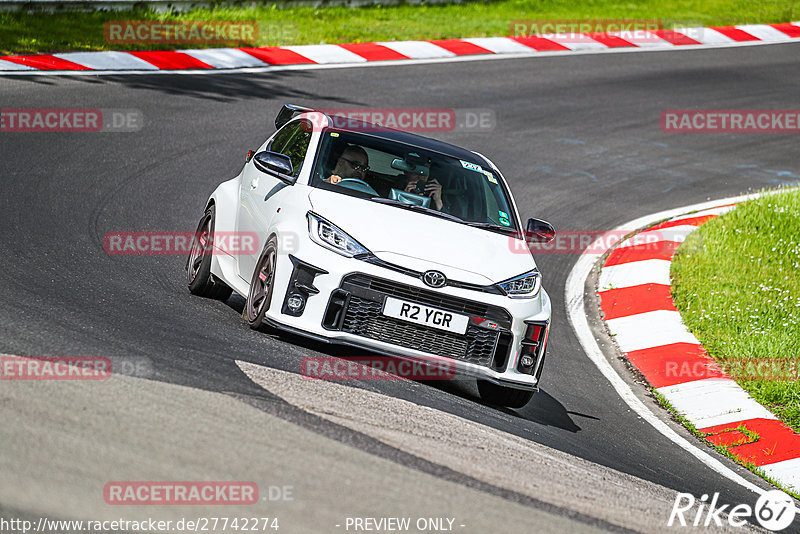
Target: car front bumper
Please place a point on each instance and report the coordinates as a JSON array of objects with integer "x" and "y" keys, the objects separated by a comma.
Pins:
[{"x": 490, "y": 349}]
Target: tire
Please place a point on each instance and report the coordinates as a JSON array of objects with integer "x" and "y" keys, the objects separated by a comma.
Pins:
[
  {"x": 198, "y": 266},
  {"x": 261, "y": 286},
  {"x": 504, "y": 396}
]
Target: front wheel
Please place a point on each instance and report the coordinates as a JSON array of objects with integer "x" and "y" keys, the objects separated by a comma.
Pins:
[
  {"x": 504, "y": 396},
  {"x": 260, "y": 294},
  {"x": 198, "y": 267}
]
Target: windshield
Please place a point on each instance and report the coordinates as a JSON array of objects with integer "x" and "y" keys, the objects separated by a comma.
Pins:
[{"x": 410, "y": 177}]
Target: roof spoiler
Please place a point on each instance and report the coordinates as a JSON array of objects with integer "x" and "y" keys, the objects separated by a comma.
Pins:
[{"x": 287, "y": 112}]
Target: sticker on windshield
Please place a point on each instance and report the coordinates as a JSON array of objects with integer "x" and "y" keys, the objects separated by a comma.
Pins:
[
  {"x": 471, "y": 166},
  {"x": 334, "y": 134},
  {"x": 504, "y": 221},
  {"x": 490, "y": 177},
  {"x": 503, "y": 214}
]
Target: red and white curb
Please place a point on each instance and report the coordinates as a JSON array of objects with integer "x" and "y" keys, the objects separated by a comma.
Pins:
[
  {"x": 634, "y": 288},
  {"x": 205, "y": 60}
]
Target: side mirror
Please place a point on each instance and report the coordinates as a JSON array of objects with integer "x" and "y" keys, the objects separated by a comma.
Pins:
[
  {"x": 278, "y": 165},
  {"x": 539, "y": 231}
]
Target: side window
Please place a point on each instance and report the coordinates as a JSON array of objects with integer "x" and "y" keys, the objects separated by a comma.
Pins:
[{"x": 293, "y": 141}]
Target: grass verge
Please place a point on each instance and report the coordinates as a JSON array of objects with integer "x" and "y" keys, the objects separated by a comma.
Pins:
[
  {"x": 32, "y": 32},
  {"x": 736, "y": 282}
]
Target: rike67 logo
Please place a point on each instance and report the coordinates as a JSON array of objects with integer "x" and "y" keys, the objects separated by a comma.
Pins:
[{"x": 774, "y": 510}]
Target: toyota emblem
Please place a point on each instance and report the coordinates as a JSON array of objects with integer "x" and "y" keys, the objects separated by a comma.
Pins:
[{"x": 434, "y": 279}]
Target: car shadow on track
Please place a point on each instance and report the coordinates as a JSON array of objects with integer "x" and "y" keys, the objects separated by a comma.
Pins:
[{"x": 544, "y": 409}]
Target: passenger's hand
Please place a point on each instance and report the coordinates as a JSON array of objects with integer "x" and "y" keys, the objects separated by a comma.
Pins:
[{"x": 434, "y": 190}]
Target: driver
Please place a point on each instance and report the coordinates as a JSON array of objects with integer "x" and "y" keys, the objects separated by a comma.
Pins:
[
  {"x": 353, "y": 163},
  {"x": 421, "y": 183}
]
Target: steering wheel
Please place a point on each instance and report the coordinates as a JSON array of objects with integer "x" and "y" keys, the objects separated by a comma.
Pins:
[{"x": 358, "y": 185}]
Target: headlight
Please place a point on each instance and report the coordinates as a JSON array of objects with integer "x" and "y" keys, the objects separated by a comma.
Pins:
[
  {"x": 327, "y": 234},
  {"x": 523, "y": 286}
]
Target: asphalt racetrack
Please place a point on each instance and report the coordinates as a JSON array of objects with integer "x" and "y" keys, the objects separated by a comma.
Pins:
[{"x": 578, "y": 138}]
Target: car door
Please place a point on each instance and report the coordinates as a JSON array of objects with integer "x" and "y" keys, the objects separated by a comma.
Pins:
[{"x": 260, "y": 193}]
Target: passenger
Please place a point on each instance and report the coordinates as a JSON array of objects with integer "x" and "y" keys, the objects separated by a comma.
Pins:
[{"x": 421, "y": 184}]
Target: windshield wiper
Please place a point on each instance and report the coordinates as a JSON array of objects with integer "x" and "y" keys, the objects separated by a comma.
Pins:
[
  {"x": 493, "y": 227},
  {"x": 417, "y": 208}
]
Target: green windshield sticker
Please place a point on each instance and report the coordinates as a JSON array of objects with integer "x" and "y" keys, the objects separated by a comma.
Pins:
[
  {"x": 334, "y": 134},
  {"x": 471, "y": 166},
  {"x": 504, "y": 221},
  {"x": 503, "y": 214},
  {"x": 490, "y": 177}
]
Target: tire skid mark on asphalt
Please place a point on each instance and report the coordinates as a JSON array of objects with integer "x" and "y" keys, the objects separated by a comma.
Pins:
[
  {"x": 555, "y": 480},
  {"x": 64, "y": 441}
]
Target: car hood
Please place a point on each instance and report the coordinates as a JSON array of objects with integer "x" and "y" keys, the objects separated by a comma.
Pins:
[{"x": 421, "y": 242}]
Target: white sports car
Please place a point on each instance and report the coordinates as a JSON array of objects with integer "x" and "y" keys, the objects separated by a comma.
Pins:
[{"x": 385, "y": 240}]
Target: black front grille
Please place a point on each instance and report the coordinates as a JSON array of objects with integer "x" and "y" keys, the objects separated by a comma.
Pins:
[
  {"x": 357, "y": 308},
  {"x": 363, "y": 317},
  {"x": 426, "y": 297}
]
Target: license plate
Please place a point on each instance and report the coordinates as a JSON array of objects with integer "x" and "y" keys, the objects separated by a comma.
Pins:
[{"x": 425, "y": 316}]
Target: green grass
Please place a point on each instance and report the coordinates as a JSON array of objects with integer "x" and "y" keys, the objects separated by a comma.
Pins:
[
  {"x": 736, "y": 281},
  {"x": 23, "y": 33}
]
